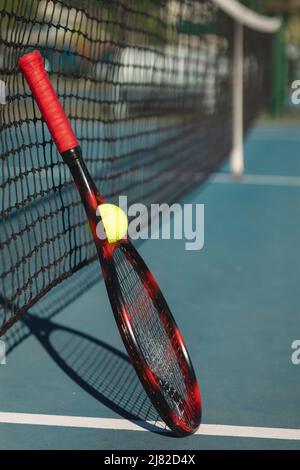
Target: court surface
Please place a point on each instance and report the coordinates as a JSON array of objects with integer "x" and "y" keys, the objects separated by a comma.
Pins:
[{"x": 67, "y": 383}]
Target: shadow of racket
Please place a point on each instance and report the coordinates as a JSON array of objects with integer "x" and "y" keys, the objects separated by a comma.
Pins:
[{"x": 101, "y": 370}]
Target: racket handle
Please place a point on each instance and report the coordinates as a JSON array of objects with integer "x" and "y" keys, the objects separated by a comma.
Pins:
[{"x": 33, "y": 69}]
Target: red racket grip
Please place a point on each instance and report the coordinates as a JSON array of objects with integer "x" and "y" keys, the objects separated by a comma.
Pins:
[{"x": 52, "y": 111}]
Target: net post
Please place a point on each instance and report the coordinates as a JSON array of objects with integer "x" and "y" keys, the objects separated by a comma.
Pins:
[{"x": 237, "y": 155}]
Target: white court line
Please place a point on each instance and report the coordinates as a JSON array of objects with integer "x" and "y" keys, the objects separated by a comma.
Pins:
[
  {"x": 262, "y": 180},
  {"x": 273, "y": 137},
  {"x": 124, "y": 425}
]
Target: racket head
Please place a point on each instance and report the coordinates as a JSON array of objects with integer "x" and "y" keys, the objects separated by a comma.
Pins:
[{"x": 152, "y": 338}]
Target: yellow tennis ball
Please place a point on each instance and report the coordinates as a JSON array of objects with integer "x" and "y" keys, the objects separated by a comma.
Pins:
[{"x": 115, "y": 222}]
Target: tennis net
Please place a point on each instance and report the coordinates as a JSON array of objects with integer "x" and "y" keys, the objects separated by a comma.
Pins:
[{"x": 148, "y": 87}]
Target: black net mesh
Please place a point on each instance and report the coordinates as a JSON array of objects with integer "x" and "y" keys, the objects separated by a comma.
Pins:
[
  {"x": 258, "y": 50},
  {"x": 147, "y": 86}
]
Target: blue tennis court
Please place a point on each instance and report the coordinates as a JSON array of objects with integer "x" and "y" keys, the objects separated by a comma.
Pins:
[
  {"x": 67, "y": 382},
  {"x": 149, "y": 225}
]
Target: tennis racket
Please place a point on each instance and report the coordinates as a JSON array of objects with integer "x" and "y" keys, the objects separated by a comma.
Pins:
[{"x": 147, "y": 327}]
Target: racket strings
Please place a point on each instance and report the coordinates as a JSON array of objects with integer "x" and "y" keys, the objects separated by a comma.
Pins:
[{"x": 157, "y": 348}]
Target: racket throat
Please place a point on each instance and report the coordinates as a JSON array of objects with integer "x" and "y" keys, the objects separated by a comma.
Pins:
[{"x": 89, "y": 194}]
